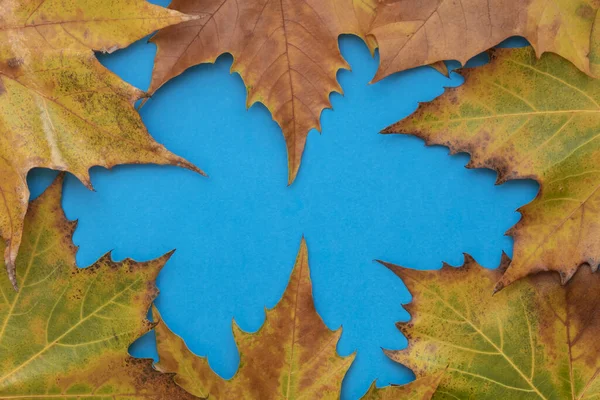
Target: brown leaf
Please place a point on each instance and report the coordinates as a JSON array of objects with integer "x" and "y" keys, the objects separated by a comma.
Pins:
[
  {"x": 65, "y": 334},
  {"x": 411, "y": 33},
  {"x": 292, "y": 356},
  {"x": 59, "y": 107},
  {"x": 534, "y": 340},
  {"x": 286, "y": 51},
  {"x": 441, "y": 67}
]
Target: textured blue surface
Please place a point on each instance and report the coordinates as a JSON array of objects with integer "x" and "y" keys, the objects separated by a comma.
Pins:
[{"x": 359, "y": 196}]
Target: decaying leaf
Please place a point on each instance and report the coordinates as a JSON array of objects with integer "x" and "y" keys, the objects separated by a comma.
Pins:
[
  {"x": 529, "y": 118},
  {"x": 441, "y": 67},
  {"x": 59, "y": 107},
  {"x": 292, "y": 356},
  {"x": 420, "y": 389},
  {"x": 286, "y": 51},
  {"x": 411, "y": 33},
  {"x": 65, "y": 334},
  {"x": 533, "y": 340}
]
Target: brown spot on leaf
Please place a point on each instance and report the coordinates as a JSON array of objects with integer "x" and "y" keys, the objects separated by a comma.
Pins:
[
  {"x": 14, "y": 63},
  {"x": 585, "y": 11}
]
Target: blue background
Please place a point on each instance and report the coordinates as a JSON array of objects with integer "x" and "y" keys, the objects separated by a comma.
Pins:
[{"x": 359, "y": 196}]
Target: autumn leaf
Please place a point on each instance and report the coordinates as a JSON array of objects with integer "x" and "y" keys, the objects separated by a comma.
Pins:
[
  {"x": 65, "y": 334},
  {"x": 292, "y": 356},
  {"x": 533, "y": 340},
  {"x": 59, "y": 107},
  {"x": 529, "y": 118},
  {"x": 286, "y": 51},
  {"x": 420, "y": 389},
  {"x": 411, "y": 33}
]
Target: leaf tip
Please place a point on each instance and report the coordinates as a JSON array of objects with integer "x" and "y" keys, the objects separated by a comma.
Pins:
[
  {"x": 391, "y": 354},
  {"x": 303, "y": 245},
  {"x": 390, "y": 266},
  {"x": 167, "y": 256},
  {"x": 292, "y": 174},
  {"x": 156, "y": 314},
  {"x": 302, "y": 256},
  {"x": 498, "y": 287},
  {"x": 388, "y": 130},
  {"x": 188, "y": 165}
]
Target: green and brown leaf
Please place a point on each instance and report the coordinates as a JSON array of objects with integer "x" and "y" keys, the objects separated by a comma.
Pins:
[
  {"x": 65, "y": 334},
  {"x": 59, "y": 107},
  {"x": 292, "y": 356},
  {"x": 534, "y": 340},
  {"x": 529, "y": 118}
]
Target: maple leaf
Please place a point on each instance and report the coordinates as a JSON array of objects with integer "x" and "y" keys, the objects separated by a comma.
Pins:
[
  {"x": 529, "y": 118},
  {"x": 411, "y": 33},
  {"x": 60, "y": 108},
  {"x": 420, "y": 389},
  {"x": 286, "y": 52},
  {"x": 292, "y": 356},
  {"x": 533, "y": 340},
  {"x": 66, "y": 332}
]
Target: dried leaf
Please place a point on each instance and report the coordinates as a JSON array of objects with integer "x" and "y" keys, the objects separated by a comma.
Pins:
[
  {"x": 60, "y": 108},
  {"x": 441, "y": 67},
  {"x": 529, "y": 118},
  {"x": 65, "y": 334},
  {"x": 285, "y": 51},
  {"x": 292, "y": 356},
  {"x": 533, "y": 340},
  {"x": 411, "y": 33},
  {"x": 419, "y": 389}
]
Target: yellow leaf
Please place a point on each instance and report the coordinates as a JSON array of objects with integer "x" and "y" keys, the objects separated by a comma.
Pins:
[
  {"x": 59, "y": 107},
  {"x": 529, "y": 118},
  {"x": 534, "y": 340},
  {"x": 65, "y": 334},
  {"x": 292, "y": 356},
  {"x": 411, "y": 33},
  {"x": 285, "y": 51}
]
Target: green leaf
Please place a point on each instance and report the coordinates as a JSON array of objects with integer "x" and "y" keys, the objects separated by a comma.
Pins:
[
  {"x": 529, "y": 118},
  {"x": 65, "y": 334},
  {"x": 534, "y": 340},
  {"x": 59, "y": 107}
]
